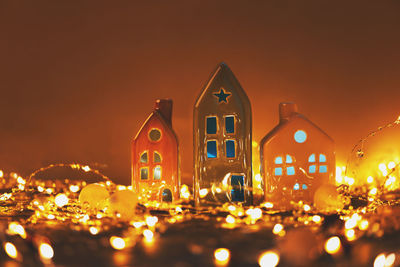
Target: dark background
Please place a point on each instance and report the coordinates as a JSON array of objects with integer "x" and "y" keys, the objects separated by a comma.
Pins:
[{"x": 78, "y": 78}]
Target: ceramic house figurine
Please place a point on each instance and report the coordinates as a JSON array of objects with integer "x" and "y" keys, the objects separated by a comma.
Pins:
[
  {"x": 155, "y": 158},
  {"x": 222, "y": 141},
  {"x": 296, "y": 158}
]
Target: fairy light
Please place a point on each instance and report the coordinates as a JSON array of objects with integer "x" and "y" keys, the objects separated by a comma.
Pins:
[
  {"x": 230, "y": 219},
  {"x": 15, "y": 228},
  {"x": 117, "y": 243},
  {"x": 316, "y": 218},
  {"x": 390, "y": 259},
  {"x": 363, "y": 225},
  {"x": 11, "y": 250},
  {"x": 333, "y": 245},
  {"x": 278, "y": 228},
  {"x": 74, "y": 188},
  {"x": 46, "y": 251},
  {"x": 370, "y": 179},
  {"x": 222, "y": 256},
  {"x": 203, "y": 192},
  {"x": 86, "y": 168},
  {"x": 350, "y": 234},
  {"x": 61, "y": 200},
  {"x": 151, "y": 221},
  {"x": 1, "y": 174},
  {"x": 268, "y": 205},
  {"x": 268, "y": 259},
  {"x": 380, "y": 260},
  {"x": 306, "y": 207},
  {"x": 185, "y": 194},
  {"x": 148, "y": 235},
  {"x": 94, "y": 230}
]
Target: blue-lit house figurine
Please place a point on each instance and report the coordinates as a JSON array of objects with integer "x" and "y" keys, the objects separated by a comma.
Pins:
[
  {"x": 222, "y": 141},
  {"x": 296, "y": 158}
]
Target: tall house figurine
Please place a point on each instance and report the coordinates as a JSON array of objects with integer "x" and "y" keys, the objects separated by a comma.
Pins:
[
  {"x": 296, "y": 158},
  {"x": 155, "y": 156},
  {"x": 222, "y": 141}
]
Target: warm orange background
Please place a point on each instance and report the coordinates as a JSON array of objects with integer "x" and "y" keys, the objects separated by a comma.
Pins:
[{"x": 78, "y": 79}]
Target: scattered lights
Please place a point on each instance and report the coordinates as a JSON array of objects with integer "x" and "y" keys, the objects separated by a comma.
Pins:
[
  {"x": 15, "y": 228},
  {"x": 40, "y": 189},
  {"x": 316, "y": 218},
  {"x": 268, "y": 205},
  {"x": 49, "y": 190},
  {"x": 61, "y": 200},
  {"x": 94, "y": 230},
  {"x": 21, "y": 180},
  {"x": 117, "y": 243},
  {"x": 363, "y": 225},
  {"x": 222, "y": 256},
  {"x": 74, "y": 188},
  {"x": 51, "y": 217},
  {"x": 306, "y": 207},
  {"x": 203, "y": 192},
  {"x": 351, "y": 223},
  {"x": 230, "y": 219},
  {"x": 46, "y": 251},
  {"x": 277, "y": 228},
  {"x": 11, "y": 250},
  {"x": 384, "y": 261},
  {"x": 254, "y": 214},
  {"x": 231, "y": 208},
  {"x": 333, "y": 245},
  {"x": 151, "y": 221},
  {"x": 86, "y": 168},
  {"x": 268, "y": 259},
  {"x": 148, "y": 235}
]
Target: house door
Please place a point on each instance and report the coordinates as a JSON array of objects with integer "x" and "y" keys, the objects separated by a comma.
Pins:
[
  {"x": 237, "y": 192},
  {"x": 166, "y": 195}
]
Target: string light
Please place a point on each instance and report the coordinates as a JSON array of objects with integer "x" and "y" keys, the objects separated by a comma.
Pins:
[
  {"x": 268, "y": 259},
  {"x": 222, "y": 256}
]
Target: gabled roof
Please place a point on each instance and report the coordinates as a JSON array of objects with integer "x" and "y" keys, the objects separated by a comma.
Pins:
[{"x": 157, "y": 115}]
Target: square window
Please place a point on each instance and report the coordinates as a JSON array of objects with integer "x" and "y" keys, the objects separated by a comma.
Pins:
[
  {"x": 157, "y": 173},
  {"x": 312, "y": 169},
  {"x": 144, "y": 173},
  {"x": 323, "y": 169},
  {"x": 230, "y": 124},
  {"x": 290, "y": 171},
  {"x": 230, "y": 148},
  {"x": 311, "y": 158},
  {"x": 278, "y": 160},
  {"x": 211, "y": 125},
  {"x": 211, "y": 149},
  {"x": 278, "y": 171}
]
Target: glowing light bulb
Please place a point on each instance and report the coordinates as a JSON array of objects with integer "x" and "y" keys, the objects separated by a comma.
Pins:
[
  {"x": 268, "y": 259},
  {"x": 61, "y": 200},
  {"x": 94, "y": 230},
  {"x": 380, "y": 260},
  {"x": 333, "y": 245},
  {"x": 363, "y": 225},
  {"x": 230, "y": 219},
  {"x": 74, "y": 188},
  {"x": 390, "y": 259},
  {"x": 351, "y": 234},
  {"x": 391, "y": 165},
  {"x": 151, "y": 221},
  {"x": 203, "y": 192},
  {"x": 222, "y": 256},
  {"x": 306, "y": 207},
  {"x": 86, "y": 168},
  {"x": 148, "y": 235},
  {"x": 277, "y": 228},
  {"x": 11, "y": 250},
  {"x": 268, "y": 205},
  {"x": 316, "y": 218},
  {"x": 46, "y": 251},
  {"x": 373, "y": 191},
  {"x": 117, "y": 243},
  {"x": 17, "y": 229},
  {"x": 370, "y": 179}
]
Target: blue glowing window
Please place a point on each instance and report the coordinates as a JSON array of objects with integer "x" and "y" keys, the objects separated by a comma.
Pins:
[
  {"x": 304, "y": 187},
  {"x": 296, "y": 186},
  {"x": 211, "y": 125},
  {"x": 300, "y": 136},
  {"x": 312, "y": 169},
  {"x": 211, "y": 149},
  {"x": 278, "y": 160},
  {"x": 237, "y": 192},
  {"x": 290, "y": 171},
  {"x": 144, "y": 173},
  {"x": 230, "y": 124},
  {"x": 230, "y": 148},
  {"x": 322, "y": 158},
  {"x": 289, "y": 159},
  {"x": 311, "y": 158},
  {"x": 278, "y": 171},
  {"x": 323, "y": 169}
]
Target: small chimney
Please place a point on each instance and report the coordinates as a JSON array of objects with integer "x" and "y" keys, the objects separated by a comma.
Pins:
[
  {"x": 164, "y": 107},
  {"x": 286, "y": 110}
]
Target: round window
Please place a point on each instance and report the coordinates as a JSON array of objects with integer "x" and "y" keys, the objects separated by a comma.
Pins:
[
  {"x": 300, "y": 136},
  {"x": 154, "y": 135}
]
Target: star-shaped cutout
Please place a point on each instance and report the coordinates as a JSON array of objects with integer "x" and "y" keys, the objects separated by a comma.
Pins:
[{"x": 222, "y": 96}]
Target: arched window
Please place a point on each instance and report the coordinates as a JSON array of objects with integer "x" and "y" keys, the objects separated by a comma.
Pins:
[
  {"x": 157, "y": 157},
  {"x": 317, "y": 166},
  {"x": 144, "y": 158},
  {"x": 284, "y": 165}
]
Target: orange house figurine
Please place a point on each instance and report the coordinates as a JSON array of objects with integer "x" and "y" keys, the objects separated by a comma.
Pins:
[
  {"x": 155, "y": 156},
  {"x": 296, "y": 158}
]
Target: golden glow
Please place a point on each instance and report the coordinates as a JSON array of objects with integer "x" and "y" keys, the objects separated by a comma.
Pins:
[
  {"x": 254, "y": 214},
  {"x": 148, "y": 235},
  {"x": 277, "y": 228},
  {"x": 268, "y": 205},
  {"x": 61, "y": 200},
  {"x": 380, "y": 260},
  {"x": 185, "y": 194},
  {"x": 11, "y": 250},
  {"x": 351, "y": 234},
  {"x": 316, "y": 218},
  {"x": 94, "y": 230},
  {"x": 117, "y": 243},
  {"x": 363, "y": 225},
  {"x": 230, "y": 219},
  {"x": 86, "y": 168},
  {"x": 151, "y": 221},
  {"x": 46, "y": 251},
  {"x": 390, "y": 259},
  {"x": 74, "y": 188},
  {"x": 370, "y": 179},
  {"x": 268, "y": 259},
  {"x": 222, "y": 256},
  {"x": 306, "y": 207},
  {"x": 333, "y": 245},
  {"x": 15, "y": 228},
  {"x": 1, "y": 174},
  {"x": 203, "y": 192}
]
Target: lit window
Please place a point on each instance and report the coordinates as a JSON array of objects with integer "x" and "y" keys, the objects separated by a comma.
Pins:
[
  {"x": 157, "y": 173},
  {"x": 312, "y": 169},
  {"x": 157, "y": 157},
  {"x": 278, "y": 171},
  {"x": 230, "y": 124},
  {"x": 290, "y": 171},
  {"x": 230, "y": 148},
  {"x": 322, "y": 158},
  {"x": 289, "y": 159},
  {"x": 211, "y": 149},
  {"x": 311, "y": 158},
  {"x": 305, "y": 187},
  {"x": 296, "y": 186},
  {"x": 300, "y": 136},
  {"x": 144, "y": 173},
  {"x": 144, "y": 157},
  {"x": 211, "y": 125},
  {"x": 323, "y": 169},
  {"x": 278, "y": 160},
  {"x": 155, "y": 135}
]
